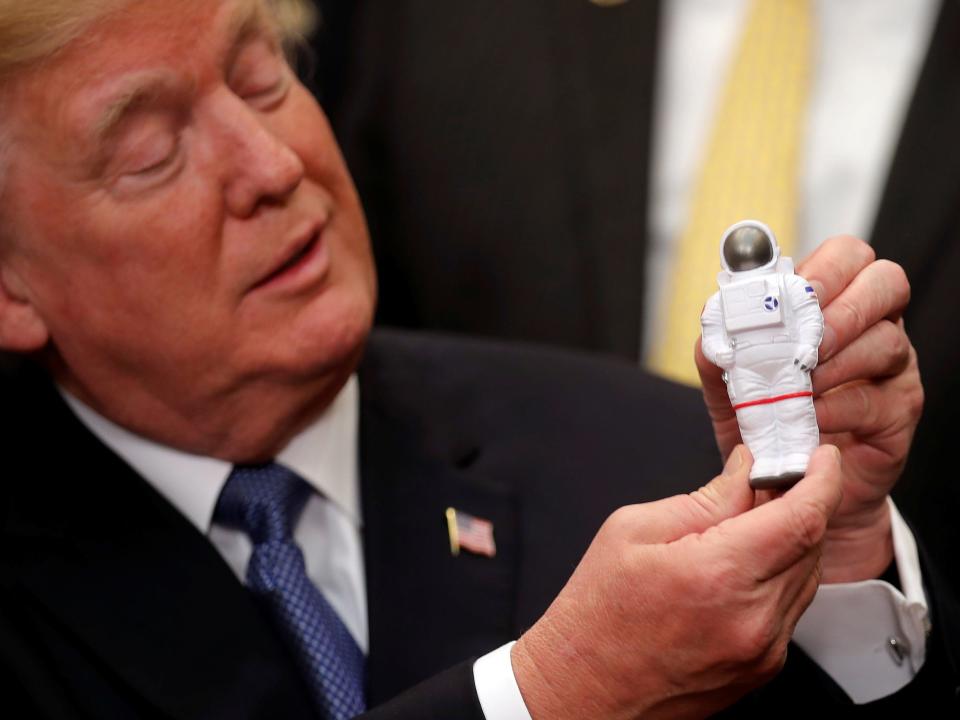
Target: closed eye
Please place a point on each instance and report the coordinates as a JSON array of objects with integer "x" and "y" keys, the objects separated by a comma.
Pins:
[
  {"x": 267, "y": 98},
  {"x": 259, "y": 74}
]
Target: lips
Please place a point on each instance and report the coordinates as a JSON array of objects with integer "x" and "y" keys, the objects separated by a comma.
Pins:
[
  {"x": 303, "y": 247},
  {"x": 297, "y": 257}
]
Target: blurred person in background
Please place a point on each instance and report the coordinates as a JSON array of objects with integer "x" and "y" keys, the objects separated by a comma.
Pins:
[
  {"x": 561, "y": 171},
  {"x": 223, "y": 497}
]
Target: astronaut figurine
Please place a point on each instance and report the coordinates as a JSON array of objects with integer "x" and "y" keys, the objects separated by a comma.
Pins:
[{"x": 763, "y": 329}]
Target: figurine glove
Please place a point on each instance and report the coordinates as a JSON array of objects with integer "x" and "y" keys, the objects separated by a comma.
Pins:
[
  {"x": 806, "y": 357},
  {"x": 725, "y": 359}
]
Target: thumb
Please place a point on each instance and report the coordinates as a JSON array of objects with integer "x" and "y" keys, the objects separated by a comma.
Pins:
[
  {"x": 727, "y": 495},
  {"x": 774, "y": 536}
]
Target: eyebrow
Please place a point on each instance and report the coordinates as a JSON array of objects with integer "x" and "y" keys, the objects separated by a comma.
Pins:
[
  {"x": 136, "y": 90},
  {"x": 248, "y": 17}
]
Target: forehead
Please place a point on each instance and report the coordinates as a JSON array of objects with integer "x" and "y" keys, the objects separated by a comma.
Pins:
[
  {"x": 144, "y": 43},
  {"x": 135, "y": 32}
]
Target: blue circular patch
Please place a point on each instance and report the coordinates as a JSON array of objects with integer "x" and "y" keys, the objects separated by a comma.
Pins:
[{"x": 770, "y": 303}]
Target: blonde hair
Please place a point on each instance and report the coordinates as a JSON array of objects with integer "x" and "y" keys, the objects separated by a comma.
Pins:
[{"x": 32, "y": 31}]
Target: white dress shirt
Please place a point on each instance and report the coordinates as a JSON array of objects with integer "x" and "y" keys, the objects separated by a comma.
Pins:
[
  {"x": 838, "y": 633},
  {"x": 868, "y": 55},
  {"x": 328, "y": 531},
  {"x": 847, "y": 631},
  {"x": 869, "y": 52}
]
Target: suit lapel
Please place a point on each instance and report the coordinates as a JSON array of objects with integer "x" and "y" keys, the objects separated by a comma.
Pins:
[
  {"x": 919, "y": 203},
  {"x": 606, "y": 59},
  {"x": 136, "y": 589},
  {"x": 428, "y": 610}
]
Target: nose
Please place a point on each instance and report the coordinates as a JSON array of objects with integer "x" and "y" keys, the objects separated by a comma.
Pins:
[{"x": 258, "y": 166}]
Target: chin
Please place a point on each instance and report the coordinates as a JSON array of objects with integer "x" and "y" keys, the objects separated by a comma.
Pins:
[{"x": 330, "y": 341}]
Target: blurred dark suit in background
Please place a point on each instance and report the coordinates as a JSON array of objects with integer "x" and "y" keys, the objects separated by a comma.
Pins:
[{"x": 501, "y": 141}]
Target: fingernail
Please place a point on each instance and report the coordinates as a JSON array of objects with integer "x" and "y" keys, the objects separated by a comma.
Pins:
[
  {"x": 829, "y": 342},
  {"x": 733, "y": 462}
]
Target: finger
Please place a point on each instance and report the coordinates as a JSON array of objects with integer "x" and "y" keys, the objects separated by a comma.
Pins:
[
  {"x": 776, "y": 535},
  {"x": 794, "y": 589},
  {"x": 882, "y": 351},
  {"x": 880, "y": 291},
  {"x": 670, "y": 519},
  {"x": 788, "y": 597},
  {"x": 801, "y": 599},
  {"x": 872, "y": 408},
  {"x": 834, "y": 264}
]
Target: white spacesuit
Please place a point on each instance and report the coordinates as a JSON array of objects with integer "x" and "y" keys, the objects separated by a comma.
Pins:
[{"x": 763, "y": 328}]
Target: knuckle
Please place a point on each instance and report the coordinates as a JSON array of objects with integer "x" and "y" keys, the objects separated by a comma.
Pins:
[
  {"x": 916, "y": 398},
  {"x": 775, "y": 659},
  {"x": 851, "y": 316},
  {"x": 864, "y": 250},
  {"x": 901, "y": 343},
  {"x": 707, "y": 499},
  {"x": 808, "y": 523},
  {"x": 897, "y": 344},
  {"x": 859, "y": 395},
  {"x": 895, "y": 278},
  {"x": 754, "y": 641},
  {"x": 619, "y": 523},
  {"x": 851, "y": 247}
]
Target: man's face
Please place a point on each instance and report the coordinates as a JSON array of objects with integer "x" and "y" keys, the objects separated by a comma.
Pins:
[{"x": 183, "y": 222}]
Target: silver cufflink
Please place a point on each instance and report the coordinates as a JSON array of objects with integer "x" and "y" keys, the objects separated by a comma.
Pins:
[{"x": 899, "y": 649}]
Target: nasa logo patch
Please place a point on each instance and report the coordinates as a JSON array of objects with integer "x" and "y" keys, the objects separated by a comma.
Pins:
[{"x": 770, "y": 303}]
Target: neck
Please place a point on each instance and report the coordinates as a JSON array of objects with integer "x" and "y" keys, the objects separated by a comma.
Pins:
[{"x": 250, "y": 424}]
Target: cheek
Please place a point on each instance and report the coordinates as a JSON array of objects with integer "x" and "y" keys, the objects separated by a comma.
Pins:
[
  {"x": 305, "y": 128},
  {"x": 108, "y": 268},
  {"x": 308, "y": 133}
]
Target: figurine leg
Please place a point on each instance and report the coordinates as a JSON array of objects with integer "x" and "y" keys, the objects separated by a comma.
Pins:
[
  {"x": 755, "y": 429},
  {"x": 758, "y": 422},
  {"x": 797, "y": 419},
  {"x": 781, "y": 432}
]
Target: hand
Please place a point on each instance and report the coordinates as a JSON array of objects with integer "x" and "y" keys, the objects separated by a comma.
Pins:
[
  {"x": 869, "y": 397},
  {"x": 681, "y": 606},
  {"x": 806, "y": 357}
]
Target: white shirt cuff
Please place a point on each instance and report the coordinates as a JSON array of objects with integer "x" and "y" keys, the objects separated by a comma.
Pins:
[
  {"x": 868, "y": 636},
  {"x": 497, "y": 686}
]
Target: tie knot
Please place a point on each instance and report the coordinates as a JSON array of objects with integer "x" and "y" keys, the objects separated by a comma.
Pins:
[{"x": 262, "y": 500}]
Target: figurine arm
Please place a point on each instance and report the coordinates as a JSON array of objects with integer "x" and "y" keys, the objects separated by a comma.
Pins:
[
  {"x": 808, "y": 318},
  {"x": 715, "y": 343}
]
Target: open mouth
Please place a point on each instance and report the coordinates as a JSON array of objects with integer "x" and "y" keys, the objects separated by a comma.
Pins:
[
  {"x": 296, "y": 263},
  {"x": 292, "y": 262}
]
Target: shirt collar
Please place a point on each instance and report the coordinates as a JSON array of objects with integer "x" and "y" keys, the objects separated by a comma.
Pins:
[{"x": 324, "y": 454}]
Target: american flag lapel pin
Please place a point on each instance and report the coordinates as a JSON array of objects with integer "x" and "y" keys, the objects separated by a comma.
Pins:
[{"x": 469, "y": 533}]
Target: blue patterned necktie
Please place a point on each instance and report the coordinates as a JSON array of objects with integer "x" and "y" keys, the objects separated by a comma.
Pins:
[{"x": 264, "y": 501}]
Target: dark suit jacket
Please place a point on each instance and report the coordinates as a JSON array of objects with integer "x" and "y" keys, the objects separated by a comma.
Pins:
[
  {"x": 112, "y": 605},
  {"x": 502, "y": 151}
]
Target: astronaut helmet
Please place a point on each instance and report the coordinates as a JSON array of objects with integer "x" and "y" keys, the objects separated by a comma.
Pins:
[{"x": 748, "y": 245}]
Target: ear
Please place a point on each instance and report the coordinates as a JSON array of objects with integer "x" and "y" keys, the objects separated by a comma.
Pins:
[{"x": 22, "y": 330}]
